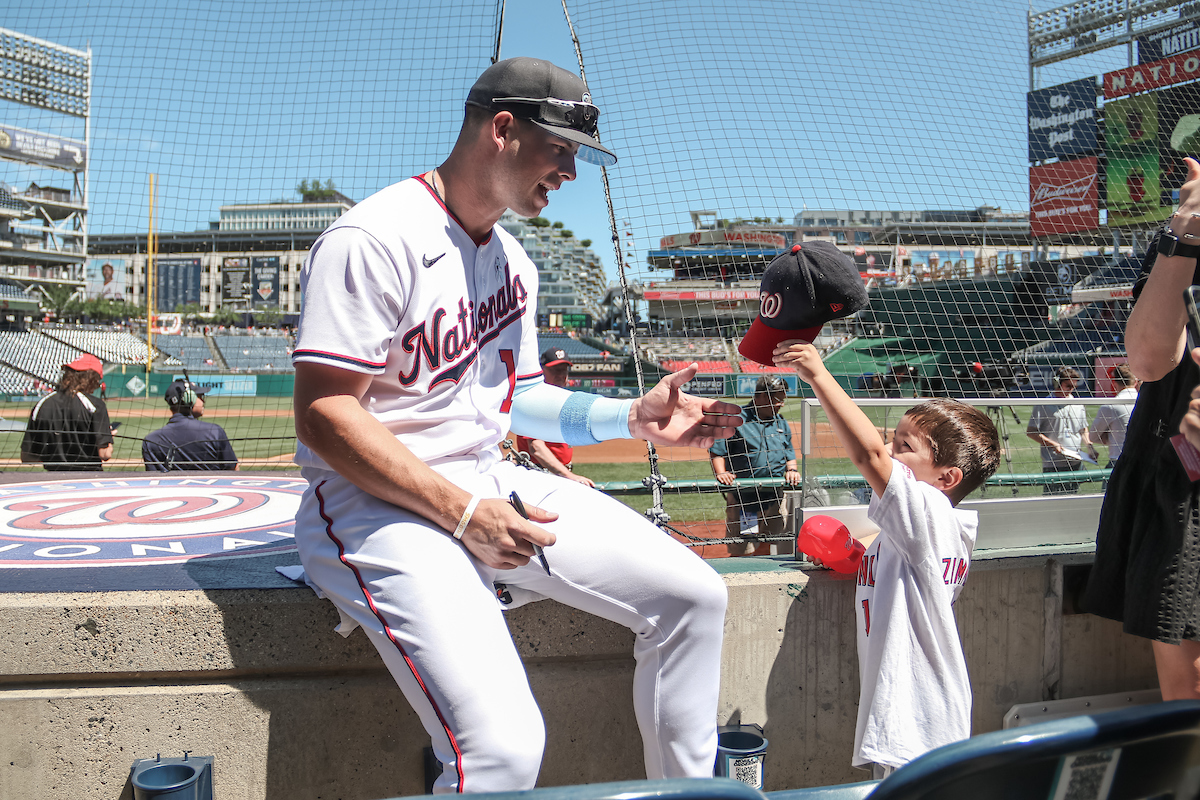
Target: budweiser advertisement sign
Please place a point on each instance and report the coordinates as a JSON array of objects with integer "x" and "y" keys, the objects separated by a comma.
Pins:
[{"x": 1063, "y": 197}]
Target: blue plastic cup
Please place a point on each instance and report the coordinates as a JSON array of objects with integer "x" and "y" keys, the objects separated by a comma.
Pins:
[
  {"x": 167, "y": 782},
  {"x": 740, "y": 755}
]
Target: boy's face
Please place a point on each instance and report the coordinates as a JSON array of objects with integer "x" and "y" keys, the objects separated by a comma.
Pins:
[{"x": 911, "y": 448}]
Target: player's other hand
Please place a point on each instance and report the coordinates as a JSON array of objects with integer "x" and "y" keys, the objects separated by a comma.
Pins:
[
  {"x": 725, "y": 478},
  {"x": 581, "y": 479},
  {"x": 669, "y": 416},
  {"x": 801, "y": 356},
  {"x": 501, "y": 538}
]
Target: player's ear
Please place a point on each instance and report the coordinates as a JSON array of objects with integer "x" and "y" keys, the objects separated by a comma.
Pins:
[{"x": 502, "y": 129}]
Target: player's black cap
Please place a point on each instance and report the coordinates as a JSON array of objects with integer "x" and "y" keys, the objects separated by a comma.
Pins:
[
  {"x": 175, "y": 392},
  {"x": 550, "y": 97},
  {"x": 801, "y": 290},
  {"x": 770, "y": 384},
  {"x": 555, "y": 355}
]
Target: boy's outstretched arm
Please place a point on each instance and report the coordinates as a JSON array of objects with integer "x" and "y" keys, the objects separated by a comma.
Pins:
[{"x": 853, "y": 428}]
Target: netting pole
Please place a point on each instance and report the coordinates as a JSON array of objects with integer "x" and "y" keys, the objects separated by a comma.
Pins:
[
  {"x": 150, "y": 247},
  {"x": 499, "y": 30},
  {"x": 656, "y": 513}
]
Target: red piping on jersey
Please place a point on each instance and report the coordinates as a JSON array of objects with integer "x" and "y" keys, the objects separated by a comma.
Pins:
[
  {"x": 340, "y": 357},
  {"x": 387, "y": 630},
  {"x": 453, "y": 216}
]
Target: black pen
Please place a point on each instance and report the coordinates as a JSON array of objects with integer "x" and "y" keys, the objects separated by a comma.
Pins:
[{"x": 537, "y": 548}]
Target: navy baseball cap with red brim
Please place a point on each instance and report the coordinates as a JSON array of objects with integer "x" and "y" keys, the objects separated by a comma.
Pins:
[{"x": 801, "y": 290}]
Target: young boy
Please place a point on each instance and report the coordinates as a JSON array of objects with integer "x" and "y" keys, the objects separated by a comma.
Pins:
[{"x": 916, "y": 694}]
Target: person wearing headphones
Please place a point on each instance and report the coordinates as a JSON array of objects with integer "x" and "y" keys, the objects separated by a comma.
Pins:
[{"x": 186, "y": 443}]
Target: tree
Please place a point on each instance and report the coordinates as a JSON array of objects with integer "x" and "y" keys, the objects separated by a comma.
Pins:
[
  {"x": 539, "y": 222},
  {"x": 586, "y": 242},
  {"x": 60, "y": 299},
  {"x": 566, "y": 234},
  {"x": 313, "y": 190},
  {"x": 557, "y": 225}
]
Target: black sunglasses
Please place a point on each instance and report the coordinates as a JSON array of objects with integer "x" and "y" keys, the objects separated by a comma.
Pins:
[{"x": 573, "y": 114}]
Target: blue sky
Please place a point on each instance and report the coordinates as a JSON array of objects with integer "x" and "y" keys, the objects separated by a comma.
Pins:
[{"x": 759, "y": 108}]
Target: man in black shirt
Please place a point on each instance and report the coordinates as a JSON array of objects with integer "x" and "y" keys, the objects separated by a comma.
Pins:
[
  {"x": 69, "y": 431},
  {"x": 186, "y": 443}
]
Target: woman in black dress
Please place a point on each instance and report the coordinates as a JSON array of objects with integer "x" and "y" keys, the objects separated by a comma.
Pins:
[{"x": 1147, "y": 568}]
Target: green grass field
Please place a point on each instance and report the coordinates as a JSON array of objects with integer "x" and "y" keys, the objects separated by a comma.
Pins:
[{"x": 262, "y": 428}]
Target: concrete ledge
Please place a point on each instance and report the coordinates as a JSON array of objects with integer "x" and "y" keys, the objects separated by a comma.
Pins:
[{"x": 259, "y": 679}]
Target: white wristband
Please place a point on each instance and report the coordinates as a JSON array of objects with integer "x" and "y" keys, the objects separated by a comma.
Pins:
[{"x": 466, "y": 517}]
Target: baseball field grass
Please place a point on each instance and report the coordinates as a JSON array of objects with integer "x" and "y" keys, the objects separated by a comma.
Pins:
[{"x": 262, "y": 433}]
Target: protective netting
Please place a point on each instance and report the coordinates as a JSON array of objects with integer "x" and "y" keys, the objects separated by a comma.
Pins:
[{"x": 996, "y": 237}]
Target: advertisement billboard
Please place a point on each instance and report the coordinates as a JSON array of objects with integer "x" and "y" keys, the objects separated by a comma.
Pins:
[
  {"x": 943, "y": 264},
  {"x": 1062, "y": 120},
  {"x": 178, "y": 283},
  {"x": 1168, "y": 42},
  {"x": 1178, "y": 137},
  {"x": 105, "y": 279},
  {"x": 18, "y": 144},
  {"x": 235, "y": 281},
  {"x": 264, "y": 280},
  {"x": 1145, "y": 77},
  {"x": 1063, "y": 197}
]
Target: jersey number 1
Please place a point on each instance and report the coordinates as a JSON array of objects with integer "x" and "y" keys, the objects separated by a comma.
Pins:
[
  {"x": 867, "y": 617},
  {"x": 510, "y": 364}
]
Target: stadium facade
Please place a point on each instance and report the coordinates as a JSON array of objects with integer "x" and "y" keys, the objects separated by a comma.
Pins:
[{"x": 713, "y": 270}]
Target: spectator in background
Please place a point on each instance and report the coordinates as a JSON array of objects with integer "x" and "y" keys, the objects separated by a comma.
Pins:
[
  {"x": 1112, "y": 419},
  {"x": 69, "y": 430},
  {"x": 555, "y": 457},
  {"x": 760, "y": 448},
  {"x": 186, "y": 443},
  {"x": 1059, "y": 428}
]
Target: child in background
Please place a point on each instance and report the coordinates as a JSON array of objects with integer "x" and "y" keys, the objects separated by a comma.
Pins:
[{"x": 915, "y": 691}]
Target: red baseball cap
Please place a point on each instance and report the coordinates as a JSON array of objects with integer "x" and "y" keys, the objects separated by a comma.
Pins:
[
  {"x": 85, "y": 362},
  {"x": 800, "y": 291}
]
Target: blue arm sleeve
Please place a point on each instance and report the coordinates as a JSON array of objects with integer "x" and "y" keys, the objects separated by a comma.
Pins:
[{"x": 553, "y": 414}]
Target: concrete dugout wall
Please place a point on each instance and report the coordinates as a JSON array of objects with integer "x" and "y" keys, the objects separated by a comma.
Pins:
[{"x": 258, "y": 678}]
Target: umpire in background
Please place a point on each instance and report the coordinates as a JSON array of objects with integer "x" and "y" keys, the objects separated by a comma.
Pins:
[
  {"x": 186, "y": 443},
  {"x": 760, "y": 448},
  {"x": 69, "y": 431}
]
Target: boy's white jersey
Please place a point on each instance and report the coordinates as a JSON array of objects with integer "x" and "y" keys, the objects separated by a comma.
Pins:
[
  {"x": 916, "y": 694},
  {"x": 397, "y": 289}
]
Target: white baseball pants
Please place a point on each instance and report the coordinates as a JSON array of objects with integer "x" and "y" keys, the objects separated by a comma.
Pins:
[{"x": 431, "y": 610}]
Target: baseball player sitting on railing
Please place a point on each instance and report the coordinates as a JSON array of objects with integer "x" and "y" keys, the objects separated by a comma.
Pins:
[{"x": 417, "y": 350}]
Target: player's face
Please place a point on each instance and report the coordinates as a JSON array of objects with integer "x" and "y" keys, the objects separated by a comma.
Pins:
[
  {"x": 540, "y": 162},
  {"x": 556, "y": 374},
  {"x": 911, "y": 448}
]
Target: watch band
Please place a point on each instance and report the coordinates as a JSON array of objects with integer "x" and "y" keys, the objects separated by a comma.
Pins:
[{"x": 1170, "y": 245}]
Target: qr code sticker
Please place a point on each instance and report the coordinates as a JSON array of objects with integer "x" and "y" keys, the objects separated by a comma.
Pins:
[
  {"x": 1087, "y": 776},
  {"x": 748, "y": 771}
]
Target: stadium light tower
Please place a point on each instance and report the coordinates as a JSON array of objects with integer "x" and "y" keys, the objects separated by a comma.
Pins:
[{"x": 45, "y": 75}]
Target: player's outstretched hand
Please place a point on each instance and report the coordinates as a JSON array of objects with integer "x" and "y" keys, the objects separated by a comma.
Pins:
[
  {"x": 666, "y": 415},
  {"x": 801, "y": 356},
  {"x": 501, "y": 538}
]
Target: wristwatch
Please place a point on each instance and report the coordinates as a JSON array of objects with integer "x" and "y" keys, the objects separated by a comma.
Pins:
[{"x": 1170, "y": 245}]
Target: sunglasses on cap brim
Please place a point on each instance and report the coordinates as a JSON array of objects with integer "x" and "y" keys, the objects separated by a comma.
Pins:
[{"x": 573, "y": 114}]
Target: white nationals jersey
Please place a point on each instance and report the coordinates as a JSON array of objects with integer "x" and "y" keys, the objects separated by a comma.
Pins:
[
  {"x": 916, "y": 694},
  {"x": 398, "y": 290}
]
